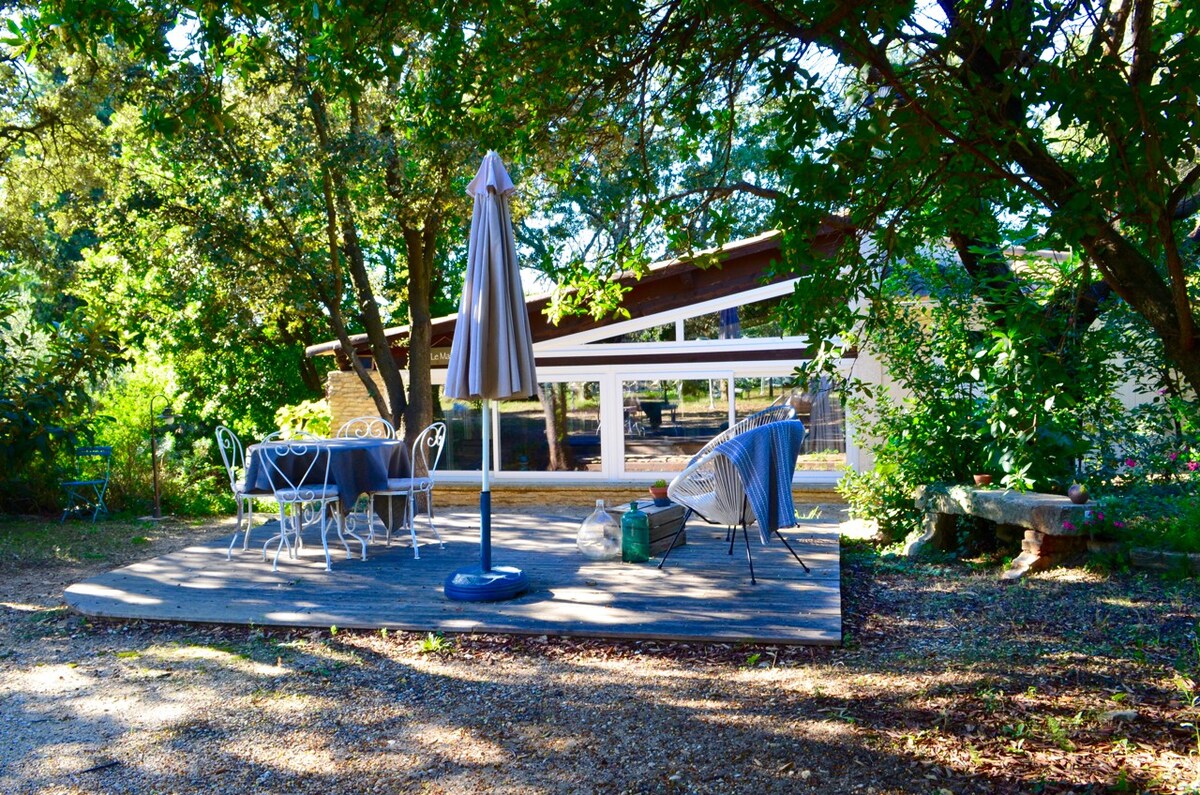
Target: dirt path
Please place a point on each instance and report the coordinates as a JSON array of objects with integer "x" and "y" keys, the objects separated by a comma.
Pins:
[{"x": 950, "y": 682}]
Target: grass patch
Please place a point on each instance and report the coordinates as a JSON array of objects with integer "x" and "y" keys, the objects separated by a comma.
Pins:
[{"x": 28, "y": 542}]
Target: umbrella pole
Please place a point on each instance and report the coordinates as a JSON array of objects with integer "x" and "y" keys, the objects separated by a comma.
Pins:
[
  {"x": 485, "y": 494},
  {"x": 485, "y": 583}
]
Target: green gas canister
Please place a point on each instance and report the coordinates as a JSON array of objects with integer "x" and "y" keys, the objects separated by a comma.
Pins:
[{"x": 635, "y": 535}]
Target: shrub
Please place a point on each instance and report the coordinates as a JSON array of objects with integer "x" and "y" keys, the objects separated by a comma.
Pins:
[
  {"x": 310, "y": 415},
  {"x": 1017, "y": 392}
]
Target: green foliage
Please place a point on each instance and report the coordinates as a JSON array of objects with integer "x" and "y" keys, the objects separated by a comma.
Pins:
[
  {"x": 1157, "y": 517},
  {"x": 436, "y": 643},
  {"x": 311, "y": 416},
  {"x": 192, "y": 481},
  {"x": 48, "y": 371},
  {"x": 1144, "y": 466},
  {"x": 973, "y": 397}
]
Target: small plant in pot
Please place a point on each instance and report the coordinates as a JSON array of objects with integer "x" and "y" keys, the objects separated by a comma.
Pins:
[
  {"x": 991, "y": 461},
  {"x": 659, "y": 492}
]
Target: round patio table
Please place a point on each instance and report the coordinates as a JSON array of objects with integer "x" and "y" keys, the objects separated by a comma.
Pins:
[{"x": 356, "y": 466}]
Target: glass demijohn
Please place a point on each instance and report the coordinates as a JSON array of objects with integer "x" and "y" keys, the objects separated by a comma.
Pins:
[{"x": 599, "y": 537}]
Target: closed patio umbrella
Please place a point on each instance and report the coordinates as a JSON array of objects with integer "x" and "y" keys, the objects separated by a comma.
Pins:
[{"x": 491, "y": 357}]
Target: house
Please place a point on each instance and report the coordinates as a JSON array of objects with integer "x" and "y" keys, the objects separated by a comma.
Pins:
[{"x": 630, "y": 400}]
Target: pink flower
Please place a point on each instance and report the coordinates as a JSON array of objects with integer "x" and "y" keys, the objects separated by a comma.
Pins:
[
  {"x": 1100, "y": 516},
  {"x": 1193, "y": 466},
  {"x": 1118, "y": 523},
  {"x": 1171, "y": 456},
  {"x": 1067, "y": 525},
  {"x": 1131, "y": 462}
]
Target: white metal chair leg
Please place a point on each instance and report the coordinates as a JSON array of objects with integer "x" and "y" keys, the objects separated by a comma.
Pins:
[
  {"x": 283, "y": 539},
  {"x": 352, "y": 534},
  {"x": 245, "y": 514},
  {"x": 325, "y": 542},
  {"x": 432, "y": 526},
  {"x": 411, "y": 516},
  {"x": 371, "y": 518},
  {"x": 391, "y": 519},
  {"x": 249, "y": 521}
]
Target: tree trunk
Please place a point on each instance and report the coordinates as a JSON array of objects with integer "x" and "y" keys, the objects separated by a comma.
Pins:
[
  {"x": 332, "y": 299},
  {"x": 1151, "y": 298},
  {"x": 554, "y": 429},
  {"x": 568, "y": 455},
  {"x": 420, "y": 247},
  {"x": 388, "y": 369}
]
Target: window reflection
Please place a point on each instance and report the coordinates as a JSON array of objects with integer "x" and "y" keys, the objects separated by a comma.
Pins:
[
  {"x": 817, "y": 406},
  {"x": 668, "y": 421},
  {"x": 557, "y": 431}
]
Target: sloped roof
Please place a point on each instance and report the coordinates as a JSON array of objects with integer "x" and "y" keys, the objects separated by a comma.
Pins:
[{"x": 670, "y": 284}]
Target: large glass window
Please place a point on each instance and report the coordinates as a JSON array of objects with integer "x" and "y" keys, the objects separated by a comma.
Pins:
[
  {"x": 668, "y": 421},
  {"x": 664, "y": 333},
  {"x": 464, "y": 431},
  {"x": 557, "y": 431},
  {"x": 819, "y": 407},
  {"x": 756, "y": 320}
]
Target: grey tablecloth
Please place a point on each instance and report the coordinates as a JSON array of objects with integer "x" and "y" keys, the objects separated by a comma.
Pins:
[{"x": 356, "y": 466}]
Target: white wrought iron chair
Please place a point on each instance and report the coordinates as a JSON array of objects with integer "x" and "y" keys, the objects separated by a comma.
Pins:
[
  {"x": 710, "y": 485},
  {"x": 426, "y": 453},
  {"x": 299, "y": 474},
  {"x": 244, "y": 494},
  {"x": 367, "y": 427}
]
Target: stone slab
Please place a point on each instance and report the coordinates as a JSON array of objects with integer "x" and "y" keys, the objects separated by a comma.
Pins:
[{"x": 1042, "y": 512}]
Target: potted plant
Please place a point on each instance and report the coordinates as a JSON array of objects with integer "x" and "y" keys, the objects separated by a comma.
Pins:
[{"x": 659, "y": 492}]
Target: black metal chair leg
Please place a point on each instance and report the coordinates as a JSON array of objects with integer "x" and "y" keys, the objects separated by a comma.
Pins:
[
  {"x": 675, "y": 537},
  {"x": 731, "y": 536},
  {"x": 749, "y": 558},
  {"x": 794, "y": 555}
]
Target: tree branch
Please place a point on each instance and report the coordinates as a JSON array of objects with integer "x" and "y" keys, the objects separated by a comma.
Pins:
[
  {"x": 722, "y": 191},
  {"x": 1182, "y": 203},
  {"x": 1143, "y": 48}
]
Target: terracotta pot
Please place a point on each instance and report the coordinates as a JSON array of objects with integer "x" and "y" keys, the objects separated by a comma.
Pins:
[
  {"x": 983, "y": 480},
  {"x": 660, "y": 496}
]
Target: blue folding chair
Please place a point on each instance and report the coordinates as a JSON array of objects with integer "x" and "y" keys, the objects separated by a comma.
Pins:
[{"x": 93, "y": 465}]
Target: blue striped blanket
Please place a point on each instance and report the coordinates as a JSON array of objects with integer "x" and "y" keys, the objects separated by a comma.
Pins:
[{"x": 765, "y": 459}]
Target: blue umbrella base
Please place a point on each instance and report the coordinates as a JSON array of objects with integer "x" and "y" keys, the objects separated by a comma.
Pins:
[{"x": 473, "y": 584}]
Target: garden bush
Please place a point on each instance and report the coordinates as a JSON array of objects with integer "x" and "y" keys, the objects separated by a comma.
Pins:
[{"x": 974, "y": 396}]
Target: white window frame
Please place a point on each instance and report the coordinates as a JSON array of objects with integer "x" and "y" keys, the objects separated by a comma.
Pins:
[{"x": 611, "y": 375}]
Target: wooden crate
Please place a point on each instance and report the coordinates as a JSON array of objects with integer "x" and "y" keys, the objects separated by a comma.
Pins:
[{"x": 663, "y": 523}]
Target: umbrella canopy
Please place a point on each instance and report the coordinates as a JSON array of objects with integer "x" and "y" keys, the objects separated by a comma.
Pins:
[
  {"x": 492, "y": 353},
  {"x": 491, "y": 357}
]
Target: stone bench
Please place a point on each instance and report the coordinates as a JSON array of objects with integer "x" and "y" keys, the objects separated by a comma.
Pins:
[{"x": 1039, "y": 517}]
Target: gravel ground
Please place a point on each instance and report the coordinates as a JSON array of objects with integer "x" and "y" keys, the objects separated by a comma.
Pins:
[{"x": 949, "y": 682}]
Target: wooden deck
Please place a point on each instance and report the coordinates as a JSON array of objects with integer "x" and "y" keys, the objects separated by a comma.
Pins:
[{"x": 701, "y": 595}]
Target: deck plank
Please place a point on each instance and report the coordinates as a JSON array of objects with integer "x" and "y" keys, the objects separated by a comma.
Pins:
[{"x": 703, "y": 594}]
